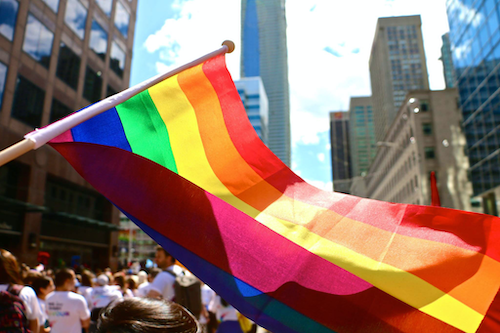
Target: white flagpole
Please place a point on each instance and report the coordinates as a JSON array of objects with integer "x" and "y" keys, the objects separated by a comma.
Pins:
[{"x": 39, "y": 137}]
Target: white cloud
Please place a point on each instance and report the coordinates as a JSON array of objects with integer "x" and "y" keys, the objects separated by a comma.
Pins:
[
  {"x": 321, "y": 157},
  {"x": 322, "y": 185},
  {"x": 200, "y": 28}
]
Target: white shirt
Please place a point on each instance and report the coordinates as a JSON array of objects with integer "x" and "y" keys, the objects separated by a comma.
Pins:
[
  {"x": 101, "y": 296},
  {"x": 30, "y": 300},
  {"x": 43, "y": 312},
  {"x": 164, "y": 283},
  {"x": 207, "y": 294},
  {"x": 224, "y": 313},
  {"x": 65, "y": 310},
  {"x": 143, "y": 289}
]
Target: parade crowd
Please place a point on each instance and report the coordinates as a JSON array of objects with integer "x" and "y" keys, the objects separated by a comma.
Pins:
[{"x": 130, "y": 300}]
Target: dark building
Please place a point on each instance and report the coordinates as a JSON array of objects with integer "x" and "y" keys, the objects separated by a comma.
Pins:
[
  {"x": 57, "y": 56},
  {"x": 339, "y": 138},
  {"x": 475, "y": 48}
]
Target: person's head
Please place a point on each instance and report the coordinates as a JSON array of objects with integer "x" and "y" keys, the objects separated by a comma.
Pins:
[
  {"x": 119, "y": 280},
  {"x": 163, "y": 258},
  {"x": 131, "y": 284},
  {"x": 31, "y": 276},
  {"x": 65, "y": 279},
  {"x": 87, "y": 278},
  {"x": 146, "y": 315},
  {"x": 153, "y": 273},
  {"x": 9, "y": 268},
  {"x": 102, "y": 280},
  {"x": 142, "y": 276},
  {"x": 43, "y": 286}
]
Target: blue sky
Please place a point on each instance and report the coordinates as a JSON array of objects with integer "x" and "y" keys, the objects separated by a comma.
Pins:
[{"x": 329, "y": 43}]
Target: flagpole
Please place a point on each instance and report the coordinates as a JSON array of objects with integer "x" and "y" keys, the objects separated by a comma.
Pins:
[{"x": 39, "y": 137}]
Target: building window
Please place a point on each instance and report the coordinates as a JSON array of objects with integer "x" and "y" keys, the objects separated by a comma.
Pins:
[
  {"x": 53, "y": 4},
  {"x": 8, "y": 16},
  {"x": 117, "y": 61},
  {"x": 105, "y": 6},
  {"x": 28, "y": 110},
  {"x": 98, "y": 40},
  {"x": 38, "y": 41},
  {"x": 93, "y": 85},
  {"x": 424, "y": 106},
  {"x": 122, "y": 18},
  {"x": 427, "y": 128},
  {"x": 68, "y": 66},
  {"x": 3, "y": 78},
  {"x": 58, "y": 110},
  {"x": 429, "y": 153},
  {"x": 76, "y": 15},
  {"x": 110, "y": 91}
]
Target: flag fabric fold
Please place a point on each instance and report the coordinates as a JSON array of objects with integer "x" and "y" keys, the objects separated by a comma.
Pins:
[{"x": 182, "y": 161}]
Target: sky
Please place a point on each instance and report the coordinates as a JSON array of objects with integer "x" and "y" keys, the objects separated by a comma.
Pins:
[{"x": 329, "y": 43}]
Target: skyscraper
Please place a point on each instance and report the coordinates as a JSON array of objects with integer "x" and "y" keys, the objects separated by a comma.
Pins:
[
  {"x": 474, "y": 37},
  {"x": 448, "y": 69},
  {"x": 361, "y": 135},
  {"x": 341, "y": 159},
  {"x": 254, "y": 98},
  {"x": 264, "y": 54},
  {"x": 57, "y": 56},
  {"x": 397, "y": 65}
]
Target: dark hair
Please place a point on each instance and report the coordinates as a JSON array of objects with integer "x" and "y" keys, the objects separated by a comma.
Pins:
[
  {"x": 62, "y": 276},
  {"x": 146, "y": 315},
  {"x": 9, "y": 268},
  {"x": 87, "y": 277},
  {"x": 154, "y": 272},
  {"x": 31, "y": 276},
  {"x": 41, "y": 282},
  {"x": 131, "y": 283},
  {"x": 159, "y": 248},
  {"x": 119, "y": 280}
]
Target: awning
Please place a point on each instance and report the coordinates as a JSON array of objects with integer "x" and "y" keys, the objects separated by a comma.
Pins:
[
  {"x": 20, "y": 206},
  {"x": 62, "y": 216}
]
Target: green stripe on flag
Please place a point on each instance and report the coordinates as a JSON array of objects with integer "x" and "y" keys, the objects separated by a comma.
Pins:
[{"x": 145, "y": 130}]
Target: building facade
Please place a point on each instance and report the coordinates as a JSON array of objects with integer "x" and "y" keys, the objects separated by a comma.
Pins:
[
  {"x": 134, "y": 244},
  {"x": 425, "y": 136},
  {"x": 475, "y": 47},
  {"x": 57, "y": 56},
  {"x": 361, "y": 135},
  {"x": 397, "y": 65},
  {"x": 264, "y": 53},
  {"x": 254, "y": 98},
  {"x": 448, "y": 69},
  {"x": 340, "y": 153}
]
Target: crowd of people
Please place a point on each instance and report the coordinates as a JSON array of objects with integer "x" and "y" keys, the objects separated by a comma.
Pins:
[{"x": 101, "y": 301}]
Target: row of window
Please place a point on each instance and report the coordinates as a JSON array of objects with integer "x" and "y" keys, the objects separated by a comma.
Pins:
[{"x": 29, "y": 110}]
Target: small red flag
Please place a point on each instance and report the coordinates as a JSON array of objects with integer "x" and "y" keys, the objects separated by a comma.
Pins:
[{"x": 435, "y": 201}]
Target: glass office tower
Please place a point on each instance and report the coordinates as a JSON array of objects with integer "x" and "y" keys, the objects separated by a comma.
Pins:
[
  {"x": 474, "y": 37},
  {"x": 264, "y": 54}
]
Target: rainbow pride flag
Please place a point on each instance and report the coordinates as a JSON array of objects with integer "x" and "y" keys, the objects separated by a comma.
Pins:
[{"x": 183, "y": 162}]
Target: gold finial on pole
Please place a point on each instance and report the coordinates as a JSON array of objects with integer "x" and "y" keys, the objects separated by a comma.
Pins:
[{"x": 230, "y": 45}]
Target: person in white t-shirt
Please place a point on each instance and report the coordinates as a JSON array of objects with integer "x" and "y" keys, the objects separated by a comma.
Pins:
[
  {"x": 67, "y": 311},
  {"x": 43, "y": 286},
  {"x": 227, "y": 316},
  {"x": 102, "y": 294},
  {"x": 163, "y": 284},
  {"x": 143, "y": 289},
  {"x": 10, "y": 275}
]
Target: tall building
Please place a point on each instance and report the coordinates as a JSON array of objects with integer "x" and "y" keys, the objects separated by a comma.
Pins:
[
  {"x": 57, "y": 56},
  {"x": 254, "y": 98},
  {"x": 264, "y": 54},
  {"x": 425, "y": 136},
  {"x": 361, "y": 135},
  {"x": 448, "y": 69},
  {"x": 397, "y": 65},
  {"x": 341, "y": 159},
  {"x": 474, "y": 37}
]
